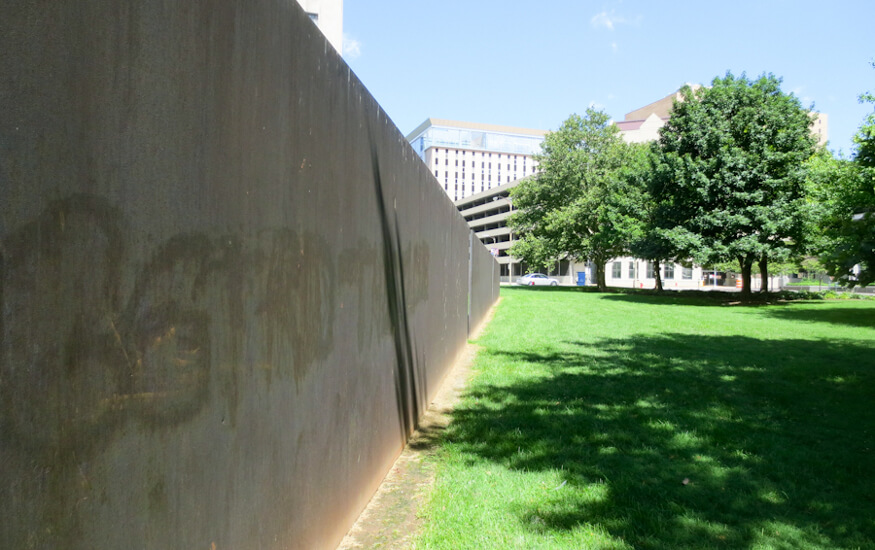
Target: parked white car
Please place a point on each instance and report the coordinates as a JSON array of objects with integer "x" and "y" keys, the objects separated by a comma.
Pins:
[{"x": 536, "y": 279}]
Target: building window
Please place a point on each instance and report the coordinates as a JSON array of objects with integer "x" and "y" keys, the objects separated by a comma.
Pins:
[
  {"x": 650, "y": 270},
  {"x": 617, "y": 270},
  {"x": 668, "y": 272},
  {"x": 632, "y": 270},
  {"x": 687, "y": 272},
  {"x": 314, "y": 17}
]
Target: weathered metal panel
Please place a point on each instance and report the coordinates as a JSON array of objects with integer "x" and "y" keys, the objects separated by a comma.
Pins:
[
  {"x": 485, "y": 281},
  {"x": 228, "y": 286}
]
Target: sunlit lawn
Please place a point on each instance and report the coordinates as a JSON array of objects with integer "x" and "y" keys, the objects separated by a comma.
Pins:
[{"x": 624, "y": 421}]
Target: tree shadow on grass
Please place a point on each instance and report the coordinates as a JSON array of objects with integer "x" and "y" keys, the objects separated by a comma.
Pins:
[
  {"x": 807, "y": 311},
  {"x": 850, "y": 316},
  {"x": 681, "y": 441},
  {"x": 700, "y": 298}
]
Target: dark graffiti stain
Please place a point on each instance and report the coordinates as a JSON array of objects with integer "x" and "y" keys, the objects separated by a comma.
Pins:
[
  {"x": 98, "y": 337},
  {"x": 61, "y": 355},
  {"x": 92, "y": 339},
  {"x": 410, "y": 389},
  {"x": 365, "y": 275},
  {"x": 297, "y": 304}
]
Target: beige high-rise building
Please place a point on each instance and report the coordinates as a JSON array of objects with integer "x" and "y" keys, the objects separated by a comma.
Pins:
[
  {"x": 328, "y": 16},
  {"x": 643, "y": 124}
]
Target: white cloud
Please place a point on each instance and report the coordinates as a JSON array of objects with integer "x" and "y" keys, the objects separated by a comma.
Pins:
[
  {"x": 614, "y": 47},
  {"x": 602, "y": 20},
  {"x": 799, "y": 92},
  {"x": 352, "y": 48},
  {"x": 611, "y": 20}
]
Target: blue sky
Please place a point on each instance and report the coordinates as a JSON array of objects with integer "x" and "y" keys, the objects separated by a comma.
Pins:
[{"x": 531, "y": 64}]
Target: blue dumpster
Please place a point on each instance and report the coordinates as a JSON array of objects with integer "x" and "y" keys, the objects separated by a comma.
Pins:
[{"x": 581, "y": 278}]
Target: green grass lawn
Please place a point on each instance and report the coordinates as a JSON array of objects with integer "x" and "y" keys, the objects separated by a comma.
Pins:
[{"x": 632, "y": 421}]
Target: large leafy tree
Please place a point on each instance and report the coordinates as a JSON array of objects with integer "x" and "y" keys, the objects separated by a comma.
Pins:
[
  {"x": 845, "y": 193},
  {"x": 657, "y": 237},
  {"x": 734, "y": 155},
  {"x": 574, "y": 206}
]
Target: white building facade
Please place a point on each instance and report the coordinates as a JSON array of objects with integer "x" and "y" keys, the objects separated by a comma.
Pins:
[
  {"x": 468, "y": 158},
  {"x": 487, "y": 212},
  {"x": 628, "y": 272},
  {"x": 328, "y": 16}
]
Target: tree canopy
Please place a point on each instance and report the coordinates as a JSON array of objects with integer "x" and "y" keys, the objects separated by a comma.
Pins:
[
  {"x": 657, "y": 238},
  {"x": 574, "y": 206},
  {"x": 734, "y": 177},
  {"x": 844, "y": 192},
  {"x": 732, "y": 182},
  {"x": 865, "y": 138}
]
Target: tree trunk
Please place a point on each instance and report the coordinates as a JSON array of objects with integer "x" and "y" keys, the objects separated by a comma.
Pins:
[
  {"x": 600, "y": 275},
  {"x": 657, "y": 274},
  {"x": 746, "y": 264},
  {"x": 764, "y": 274}
]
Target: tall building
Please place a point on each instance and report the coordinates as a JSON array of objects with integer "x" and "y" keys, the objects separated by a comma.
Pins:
[
  {"x": 479, "y": 164},
  {"x": 328, "y": 16},
  {"x": 468, "y": 158},
  {"x": 643, "y": 124},
  {"x": 486, "y": 213}
]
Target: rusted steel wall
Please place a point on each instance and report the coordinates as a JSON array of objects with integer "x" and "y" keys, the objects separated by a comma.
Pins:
[
  {"x": 485, "y": 283},
  {"x": 228, "y": 285}
]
